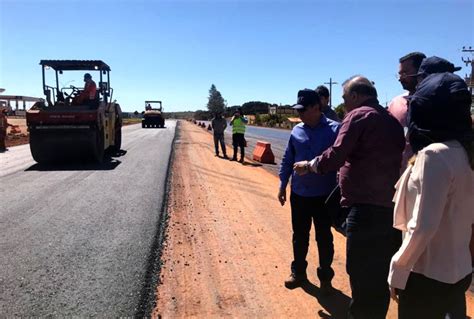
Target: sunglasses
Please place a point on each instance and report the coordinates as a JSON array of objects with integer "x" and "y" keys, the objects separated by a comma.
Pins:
[{"x": 404, "y": 75}]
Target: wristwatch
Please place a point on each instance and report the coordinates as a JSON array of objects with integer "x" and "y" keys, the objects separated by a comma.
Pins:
[{"x": 313, "y": 165}]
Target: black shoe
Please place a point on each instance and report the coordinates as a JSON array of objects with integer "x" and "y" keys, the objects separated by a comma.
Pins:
[
  {"x": 326, "y": 288},
  {"x": 226, "y": 157},
  {"x": 295, "y": 281},
  {"x": 241, "y": 160},
  {"x": 217, "y": 155},
  {"x": 233, "y": 159}
]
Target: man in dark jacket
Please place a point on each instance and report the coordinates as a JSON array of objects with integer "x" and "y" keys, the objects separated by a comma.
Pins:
[
  {"x": 218, "y": 126},
  {"x": 368, "y": 152}
]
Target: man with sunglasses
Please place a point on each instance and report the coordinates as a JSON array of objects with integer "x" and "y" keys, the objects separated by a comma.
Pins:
[
  {"x": 308, "y": 139},
  {"x": 398, "y": 107}
]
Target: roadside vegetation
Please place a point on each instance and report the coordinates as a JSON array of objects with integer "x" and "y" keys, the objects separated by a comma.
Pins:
[
  {"x": 257, "y": 109},
  {"x": 130, "y": 121}
]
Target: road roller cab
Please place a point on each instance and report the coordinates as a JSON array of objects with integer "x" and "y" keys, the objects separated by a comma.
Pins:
[
  {"x": 67, "y": 127},
  {"x": 153, "y": 115}
]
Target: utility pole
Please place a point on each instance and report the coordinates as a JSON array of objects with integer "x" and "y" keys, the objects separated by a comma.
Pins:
[
  {"x": 330, "y": 90},
  {"x": 468, "y": 61}
]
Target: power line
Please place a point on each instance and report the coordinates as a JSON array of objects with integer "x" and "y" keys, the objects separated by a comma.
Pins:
[
  {"x": 330, "y": 90},
  {"x": 468, "y": 61}
]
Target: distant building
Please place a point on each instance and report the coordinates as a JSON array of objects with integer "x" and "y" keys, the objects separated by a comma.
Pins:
[
  {"x": 27, "y": 101},
  {"x": 251, "y": 119},
  {"x": 292, "y": 121},
  {"x": 282, "y": 110}
]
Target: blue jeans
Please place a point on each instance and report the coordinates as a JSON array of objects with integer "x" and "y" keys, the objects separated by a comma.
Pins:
[
  {"x": 219, "y": 139},
  {"x": 371, "y": 243}
]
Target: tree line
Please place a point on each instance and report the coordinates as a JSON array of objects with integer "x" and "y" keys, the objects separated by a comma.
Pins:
[{"x": 217, "y": 104}]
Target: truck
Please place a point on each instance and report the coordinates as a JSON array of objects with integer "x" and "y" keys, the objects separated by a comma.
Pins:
[
  {"x": 63, "y": 129},
  {"x": 153, "y": 115}
]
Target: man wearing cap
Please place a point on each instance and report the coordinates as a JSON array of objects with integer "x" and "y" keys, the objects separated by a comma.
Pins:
[
  {"x": 87, "y": 95},
  {"x": 323, "y": 94},
  {"x": 308, "y": 139},
  {"x": 368, "y": 152},
  {"x": 398, "y": 107}
]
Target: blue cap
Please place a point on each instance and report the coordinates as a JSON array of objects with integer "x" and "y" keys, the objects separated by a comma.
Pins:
[
  {"x": 306, "y": 98},
  {"x": 436, "y": 64}
]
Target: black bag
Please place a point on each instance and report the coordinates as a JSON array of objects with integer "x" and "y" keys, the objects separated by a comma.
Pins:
[{"x": 338, "y": 214}]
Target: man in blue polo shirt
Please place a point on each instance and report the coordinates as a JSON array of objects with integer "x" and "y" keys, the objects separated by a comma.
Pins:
[{"x": 309, "y": 192}]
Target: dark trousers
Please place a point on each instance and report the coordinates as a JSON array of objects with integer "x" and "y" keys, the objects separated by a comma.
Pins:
[
  {"x": 304, "y": 211},
  {"x": 428, "y": 298},
  {"x": 371, "y": 243},
  {"x": 3, "y": 136},
  {"x": 219, "y": 138},
  {"x": 238, "y": 140}
]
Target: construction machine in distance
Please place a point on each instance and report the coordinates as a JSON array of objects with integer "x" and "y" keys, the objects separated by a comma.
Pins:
[
  {"x": 62, "y": 129},
  {"x": 153, "y": 116}
]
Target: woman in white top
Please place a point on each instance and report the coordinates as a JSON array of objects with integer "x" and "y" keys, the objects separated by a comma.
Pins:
[{"x": 434, "y": 203}]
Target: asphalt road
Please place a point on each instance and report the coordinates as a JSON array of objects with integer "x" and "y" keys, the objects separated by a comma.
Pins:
[
  {"x": 278, "y": 138},
  {"x": 77, "y": 240}
]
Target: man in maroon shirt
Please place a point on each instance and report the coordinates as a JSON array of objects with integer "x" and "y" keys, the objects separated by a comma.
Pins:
[{"x": 368, "y": 152}]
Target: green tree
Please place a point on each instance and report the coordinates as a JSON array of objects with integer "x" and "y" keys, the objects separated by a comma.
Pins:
[
  {"x": 254, "y": 107},
  {"x": 216, "y": 103},
  {"x": 230, "y": 110},
  {"x": 201, "y": 115},
  {"x": 340, "y": 111}
]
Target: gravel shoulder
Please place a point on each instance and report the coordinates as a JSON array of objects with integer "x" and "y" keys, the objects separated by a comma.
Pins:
[{"x": 228, "y": 243}]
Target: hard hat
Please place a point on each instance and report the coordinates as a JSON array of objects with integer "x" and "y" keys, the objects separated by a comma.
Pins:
[{"x": 87, "y": 76}]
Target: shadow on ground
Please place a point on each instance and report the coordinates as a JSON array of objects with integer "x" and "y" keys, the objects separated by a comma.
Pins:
[
  {"x": 336, "y": 304},
  {"x": 109, "y": 163}
]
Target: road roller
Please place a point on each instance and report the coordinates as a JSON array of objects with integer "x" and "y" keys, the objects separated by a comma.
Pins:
[
  {"x": 153, "y": 115},
  {"x": 74, "y": 123}
]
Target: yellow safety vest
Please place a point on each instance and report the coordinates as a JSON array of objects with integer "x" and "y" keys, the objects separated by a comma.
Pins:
[{"x": 238, "y": 126}]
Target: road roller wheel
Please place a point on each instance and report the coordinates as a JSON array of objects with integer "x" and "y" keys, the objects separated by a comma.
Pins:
[
  {"x": 98, "y": 145},
  {"x": 117, "y": 140},
  {"x": 39, "y": 150}
]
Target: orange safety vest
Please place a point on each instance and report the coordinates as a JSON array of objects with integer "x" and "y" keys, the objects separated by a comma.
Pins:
[{"x": 90, "y": 90}]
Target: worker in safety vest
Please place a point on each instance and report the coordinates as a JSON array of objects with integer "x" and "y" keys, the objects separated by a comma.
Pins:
[{"x": 238, "y": 122}]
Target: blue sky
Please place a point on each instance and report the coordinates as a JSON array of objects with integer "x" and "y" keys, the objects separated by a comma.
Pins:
[{"x": 251, "y": 50}]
